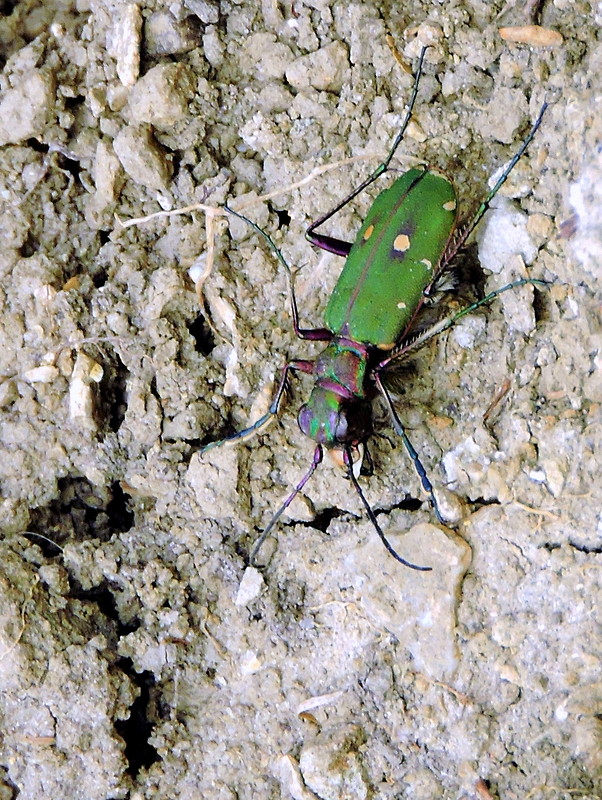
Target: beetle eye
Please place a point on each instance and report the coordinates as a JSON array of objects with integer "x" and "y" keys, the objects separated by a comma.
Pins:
[
  {"x": 341, "y": 428},
  {"x": 305, "y": 419}
]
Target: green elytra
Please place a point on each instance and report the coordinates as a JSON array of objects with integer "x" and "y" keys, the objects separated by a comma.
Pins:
[
  {"x": 399, "y": 257},
  {"x": 393, "y": 259}
]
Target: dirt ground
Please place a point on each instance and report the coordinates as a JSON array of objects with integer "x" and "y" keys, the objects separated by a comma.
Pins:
[{"x": 140, "y": 657}]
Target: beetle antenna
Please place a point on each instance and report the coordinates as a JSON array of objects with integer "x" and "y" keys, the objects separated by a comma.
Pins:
[
  {"x": 389, "y": 547},
  {"x": 318, "y": 454},
  {"x": 400, "y": 430}
]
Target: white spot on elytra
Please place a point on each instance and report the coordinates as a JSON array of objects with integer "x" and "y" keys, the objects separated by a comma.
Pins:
[{"x": 401, "y": 243}]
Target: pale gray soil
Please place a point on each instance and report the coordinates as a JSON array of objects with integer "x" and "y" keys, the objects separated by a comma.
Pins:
[{"x": 135, "y": 661}]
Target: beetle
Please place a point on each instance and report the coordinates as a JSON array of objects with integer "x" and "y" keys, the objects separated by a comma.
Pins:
[{"x": 399, "y": 260}]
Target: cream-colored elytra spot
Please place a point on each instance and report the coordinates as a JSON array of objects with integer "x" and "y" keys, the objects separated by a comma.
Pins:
[{"x": 401, "y": 243}]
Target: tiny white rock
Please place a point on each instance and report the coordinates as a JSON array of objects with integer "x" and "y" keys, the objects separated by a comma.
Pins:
[
  {"x": 45, "y": 374},
  {"x": 250, "y": 587}
]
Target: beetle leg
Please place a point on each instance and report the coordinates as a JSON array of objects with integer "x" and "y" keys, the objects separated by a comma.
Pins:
[
  {"x": 390, "y": 549},
  {"x": 447, "y": 322},
  {"x": 459, "y": 240},
  {"x": 315, "y": 334},
  {"x": 272, "y": 412},
  {"x": 338, "y": 246},
  {"x": 400, "y": 430},
  {"x": 416, "y": 342}
]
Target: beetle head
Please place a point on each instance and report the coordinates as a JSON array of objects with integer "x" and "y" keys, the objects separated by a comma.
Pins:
[{"x": 333, "y": 420}]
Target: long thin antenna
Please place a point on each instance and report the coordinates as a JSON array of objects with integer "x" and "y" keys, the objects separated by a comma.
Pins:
[
  {"x": 318, "y": 454},
  {"x": 349, "y": 465}
]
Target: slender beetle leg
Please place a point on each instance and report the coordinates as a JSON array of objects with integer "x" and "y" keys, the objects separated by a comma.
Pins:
[
  {"x": 400, "y": 430},
  {"x": 459, "y": 241},
  {"x": 447, "y": 322},
  {"x": 338, "y": 246},
  {"x": 273, "y": 411},
  {"x": 315, "y": 334}
]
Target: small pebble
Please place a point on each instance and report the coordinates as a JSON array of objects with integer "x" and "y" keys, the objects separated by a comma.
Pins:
[
  {"x": 142, "y": 157},
  {"x": 533, "y": 35}
]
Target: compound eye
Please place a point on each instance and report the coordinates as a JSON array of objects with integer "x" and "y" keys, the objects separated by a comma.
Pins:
[
  {"x": 305, "y": 419},
  {"x": 341, "y": 428}
]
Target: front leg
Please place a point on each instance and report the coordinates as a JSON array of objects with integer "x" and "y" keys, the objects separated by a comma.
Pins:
[{"x": 272, "y": 412}]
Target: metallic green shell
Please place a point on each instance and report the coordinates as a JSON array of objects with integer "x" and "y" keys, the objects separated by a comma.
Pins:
[{"x": 393, "y": 259}]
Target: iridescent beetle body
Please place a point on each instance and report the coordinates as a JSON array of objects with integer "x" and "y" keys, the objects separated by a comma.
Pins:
[{"x": 390, "y": 265}]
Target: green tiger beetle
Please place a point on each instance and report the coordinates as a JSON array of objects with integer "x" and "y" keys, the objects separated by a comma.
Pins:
[{"x": 400, "y": 259}]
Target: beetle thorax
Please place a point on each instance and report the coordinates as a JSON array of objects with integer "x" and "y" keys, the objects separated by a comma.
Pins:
[{"x": 338, "y": 411}]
